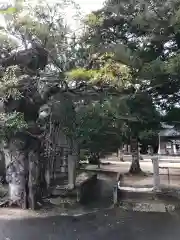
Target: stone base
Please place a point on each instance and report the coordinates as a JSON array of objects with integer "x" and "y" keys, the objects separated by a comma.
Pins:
[
  {"x": 84, "y": 190},
  {"x": 146, "y": 199},
  {"x": 86, "y": 187}
]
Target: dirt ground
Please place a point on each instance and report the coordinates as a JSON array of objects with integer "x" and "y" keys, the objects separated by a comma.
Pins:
[{"x": 169, "y": 173}]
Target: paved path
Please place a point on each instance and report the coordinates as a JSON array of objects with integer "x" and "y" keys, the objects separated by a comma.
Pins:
[
  {"x": 146, "y": 158},
  {"x": 123, "y": 167},
  {"x": 113, "y": 224}
]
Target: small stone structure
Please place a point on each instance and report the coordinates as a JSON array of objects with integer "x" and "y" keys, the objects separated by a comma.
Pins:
[
  {"x": 86, "y": 187},
  {"x": 169, "y": 141},
  {"x": 84, "y": 191},
  {"x": 147, "y": 199},
  {"x": 156, "y": 177}
]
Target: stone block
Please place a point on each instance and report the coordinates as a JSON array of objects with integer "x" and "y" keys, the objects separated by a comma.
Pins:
[{"x": 86, "y": 184}]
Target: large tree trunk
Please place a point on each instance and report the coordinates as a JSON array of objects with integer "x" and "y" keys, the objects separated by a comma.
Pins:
[
  {"x": 135, "y": 166},
  {"x": 2, "y": 167},
  {"x": 34, "y": 191},
  {"x": 23, "y": 170},
  {"x": 37, "y": 187},
  {"x": 16, "y": 175}
]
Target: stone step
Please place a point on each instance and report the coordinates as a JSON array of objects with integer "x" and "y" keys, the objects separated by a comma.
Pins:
[
  {"x": 148, "y": 206},
  {"x": 135, "y": 193},
  {"x": 147, "y": 194},
  {"x": 146, "y": 199}
]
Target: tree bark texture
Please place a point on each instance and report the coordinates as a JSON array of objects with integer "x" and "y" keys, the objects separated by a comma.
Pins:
[
  {"x": 33, "y": 58},
  {"x": 2, "y": 167},
  {"x": 135, "y": 166},
  {"x": 33, "y": 184},
  {"x": 23, "y": 174},
  {"x": 16, "y": 174}
]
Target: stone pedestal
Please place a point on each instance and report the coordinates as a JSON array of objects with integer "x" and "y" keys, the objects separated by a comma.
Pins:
[
  {"x": 71, "y": 171},
  {"x": 87, "y": 187},
  {"x": 120, "y": 154},
  {"x": 156, "y": 177},
  {"x": 129, "y": 149},
  {"x": 150, "y": 150},
  {"x": 174, "y": 148},
  {"x": 115, "y": 194}
]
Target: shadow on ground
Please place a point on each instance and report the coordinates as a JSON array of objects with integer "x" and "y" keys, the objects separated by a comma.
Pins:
[
  {"x": 104, "y": 224},
  {"x": 112, "y": 224}
]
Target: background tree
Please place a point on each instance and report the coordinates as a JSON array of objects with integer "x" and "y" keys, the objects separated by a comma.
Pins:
[
  {"x": 126, "y": 107},
  {"x": 108, "y": 31}
]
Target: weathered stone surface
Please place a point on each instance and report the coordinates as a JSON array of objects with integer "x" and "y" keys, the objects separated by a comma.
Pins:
[
  {"x": 144, "y": 206},
  {"x": 149, "y": 207},
  {"x": 84, "y": 191},
  {"x": 63, "y": 202},
  {"x": 83, "y": 177},
  {"x": 86, "y": 184}
]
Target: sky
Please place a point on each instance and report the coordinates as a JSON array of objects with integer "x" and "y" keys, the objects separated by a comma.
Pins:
[
  {"x": 86, "y": 5},
  {"x": 90, "y": 5}
]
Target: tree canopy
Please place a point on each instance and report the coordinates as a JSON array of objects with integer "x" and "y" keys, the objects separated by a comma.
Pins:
[
  {"x": 119, "y": 73},
  {"x": 145, "y": 36}
]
